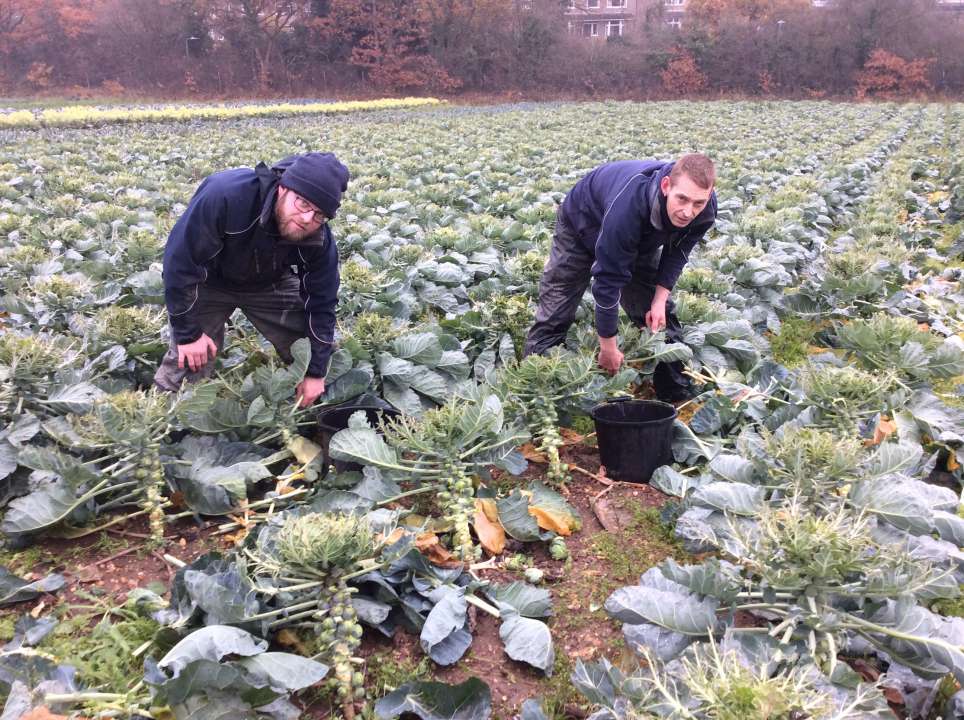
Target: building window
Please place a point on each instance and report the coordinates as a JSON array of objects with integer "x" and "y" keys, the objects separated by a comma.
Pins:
[
  {"x": 614, "y": 28},
  {"x": 572, "y": 4},
  {"x": 674, "y": 3},
  {"x": 592, "y": 3},
  {"x": 675, "y": 23},
  {"x": 571, "y": 27},
  {"x": 590, "y": 29},
  {"x": 617, "y": 3}
]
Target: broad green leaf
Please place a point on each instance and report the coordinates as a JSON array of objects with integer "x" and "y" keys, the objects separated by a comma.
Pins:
[
  {"x": 528, "y": 600},
  {"x": 362, "y": 445},
  {"x": 470, "y": 700},
  {"x": 893, "y": 457},
  {"x": 672, "y": 352},
  {"x": 891, "y": 500},
  {"x": 301, "y": 358},
  {"x": 214, "y": 705},
  {"x": 733, "y": 468},
  {"x": 713, "y": 578},
  {"x": 912, "y": 359},
  {"x": 454, "y": 363},
  {"x": 403, "y": 398},
  {"x": 348, "y": 385},
  {"x": 429, "y": 383},
  {"x": 929, "y": 644},
  {"x": 746, "y": 355},
  {"x": 193, "y": 408},
  {"x": 40, "y": 510},
  {"x": 515, "y": 518},
  {"x": 222, "y": 591},
  {"x": 213, "y": 643},
  {"x": 526, "y": 640},
  {"x": 371, "y": 612},
  {"x": 200, "y": 677},
  {"x": 950, "y": 527},
  {"x": 340, "y": 363},
  {"x": 8, "y": 458},
  {"x": 532, "y": 710},
  {"x": 595, "y": 682},
  {"x": 667, "y": 480},
  {"x": 688, "y": 448},
  {"x": 443, "y": 636},
  {"x": 419, "y": 348},
  {"x": 259, "y": 414},
  {"x": 396, "y": 370},
  {"x": 664, "y": 644},
  {"x": 77, "y": 398},
  {"x": 284, "y": 672},
  {"x": 735, "y": 498},
  {"x": 677, "y": 611},
  {"x": 948, "y": 360},
  {"x": 218, "y": 490},
  {"x": 14, "y": 589}
]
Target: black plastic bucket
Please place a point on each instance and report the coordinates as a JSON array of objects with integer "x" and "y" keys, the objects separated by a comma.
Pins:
[
  {"x": 333, "y": 419},
  {"x": 635, "y": 437}
]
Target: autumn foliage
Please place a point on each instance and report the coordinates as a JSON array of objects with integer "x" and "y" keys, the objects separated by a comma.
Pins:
[
  {"x": 889, "y": 76},
  {"x": 312, "y": 48},
  {"x": 682, "y": 76}
]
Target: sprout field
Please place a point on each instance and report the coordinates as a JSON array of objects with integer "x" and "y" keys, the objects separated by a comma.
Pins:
[{"x": 194, "y": 557}]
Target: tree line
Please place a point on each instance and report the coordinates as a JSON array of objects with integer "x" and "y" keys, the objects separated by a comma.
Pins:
[{"x": 311, "y": 48}]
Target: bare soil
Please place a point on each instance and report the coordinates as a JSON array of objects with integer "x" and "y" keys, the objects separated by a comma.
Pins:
[{"x": 619, "y": 540}]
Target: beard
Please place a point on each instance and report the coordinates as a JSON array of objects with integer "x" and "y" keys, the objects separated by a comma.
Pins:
[{"x": 290, "y": 229}]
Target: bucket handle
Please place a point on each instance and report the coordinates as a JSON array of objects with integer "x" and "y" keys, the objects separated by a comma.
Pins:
[{"x": 619, "y": 399}]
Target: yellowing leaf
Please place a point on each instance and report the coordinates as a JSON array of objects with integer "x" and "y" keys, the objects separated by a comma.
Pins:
[
  {"x": 952, "y": 463},
  {"x": 885, "y": 428},
  {"x": 394, "y": 536},
  {"x": 570, "y": 436},
  {"x": 557, "y": 521},
  {"x": 530, "y": 453},
  {"x": 490, "y": 534},
  {"x": 489, "y": 507},
  {"x": 428, "y": 544},
  {"x": 304, "y": 449}
]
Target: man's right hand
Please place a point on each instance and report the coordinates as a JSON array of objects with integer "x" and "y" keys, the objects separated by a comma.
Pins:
[
  {"x": 197, "y": 353},
  {"x": 610, "y": 357}
]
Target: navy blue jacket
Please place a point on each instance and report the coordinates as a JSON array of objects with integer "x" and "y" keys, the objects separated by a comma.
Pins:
[
  {"x": 228, "y": 238},
  {"x": 619, "y": 212}
]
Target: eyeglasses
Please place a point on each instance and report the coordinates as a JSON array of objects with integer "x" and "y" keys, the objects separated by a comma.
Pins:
[{"x": 303, "y": 206}]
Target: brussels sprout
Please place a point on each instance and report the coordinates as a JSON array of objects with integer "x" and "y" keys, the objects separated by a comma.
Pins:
[
  {"x": 558, "y": 549},
  {"x": 534, "y": 575}
]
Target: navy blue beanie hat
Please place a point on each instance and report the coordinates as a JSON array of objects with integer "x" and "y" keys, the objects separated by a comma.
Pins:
[{"x": 319, "y": 178}]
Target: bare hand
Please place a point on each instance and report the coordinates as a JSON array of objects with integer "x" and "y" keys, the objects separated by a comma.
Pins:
[
  {"x": 656, "y": 317},
  {"x": 197, "y": 353},
  {"x": 610, "y": 356},
  {"x": 308, "y": 390}
]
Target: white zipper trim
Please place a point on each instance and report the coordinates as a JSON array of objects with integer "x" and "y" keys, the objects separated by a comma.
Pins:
[{"x": 241, "y": 232}]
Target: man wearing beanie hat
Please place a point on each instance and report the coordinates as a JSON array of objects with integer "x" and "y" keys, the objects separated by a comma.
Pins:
[{"x": 255, "y": 239}]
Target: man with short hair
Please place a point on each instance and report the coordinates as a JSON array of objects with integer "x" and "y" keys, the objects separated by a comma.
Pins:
[
  {"x": 628, "y": 226},
  {"x": 255, "y": 239}
]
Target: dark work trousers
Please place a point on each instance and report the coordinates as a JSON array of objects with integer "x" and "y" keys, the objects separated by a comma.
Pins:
[
  {"x": 277, "y": 312},
  {"x": 565, "y": 280}
]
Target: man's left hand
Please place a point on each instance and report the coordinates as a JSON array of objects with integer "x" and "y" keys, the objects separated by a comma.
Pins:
[
  {"x": 656, "y": 317},
  {"x": 308, "y": 390}
]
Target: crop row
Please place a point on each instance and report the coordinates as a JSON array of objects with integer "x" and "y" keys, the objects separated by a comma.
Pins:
[
  {"x": 85, "y": 116},
  {"x": 443, "y": 234}
]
